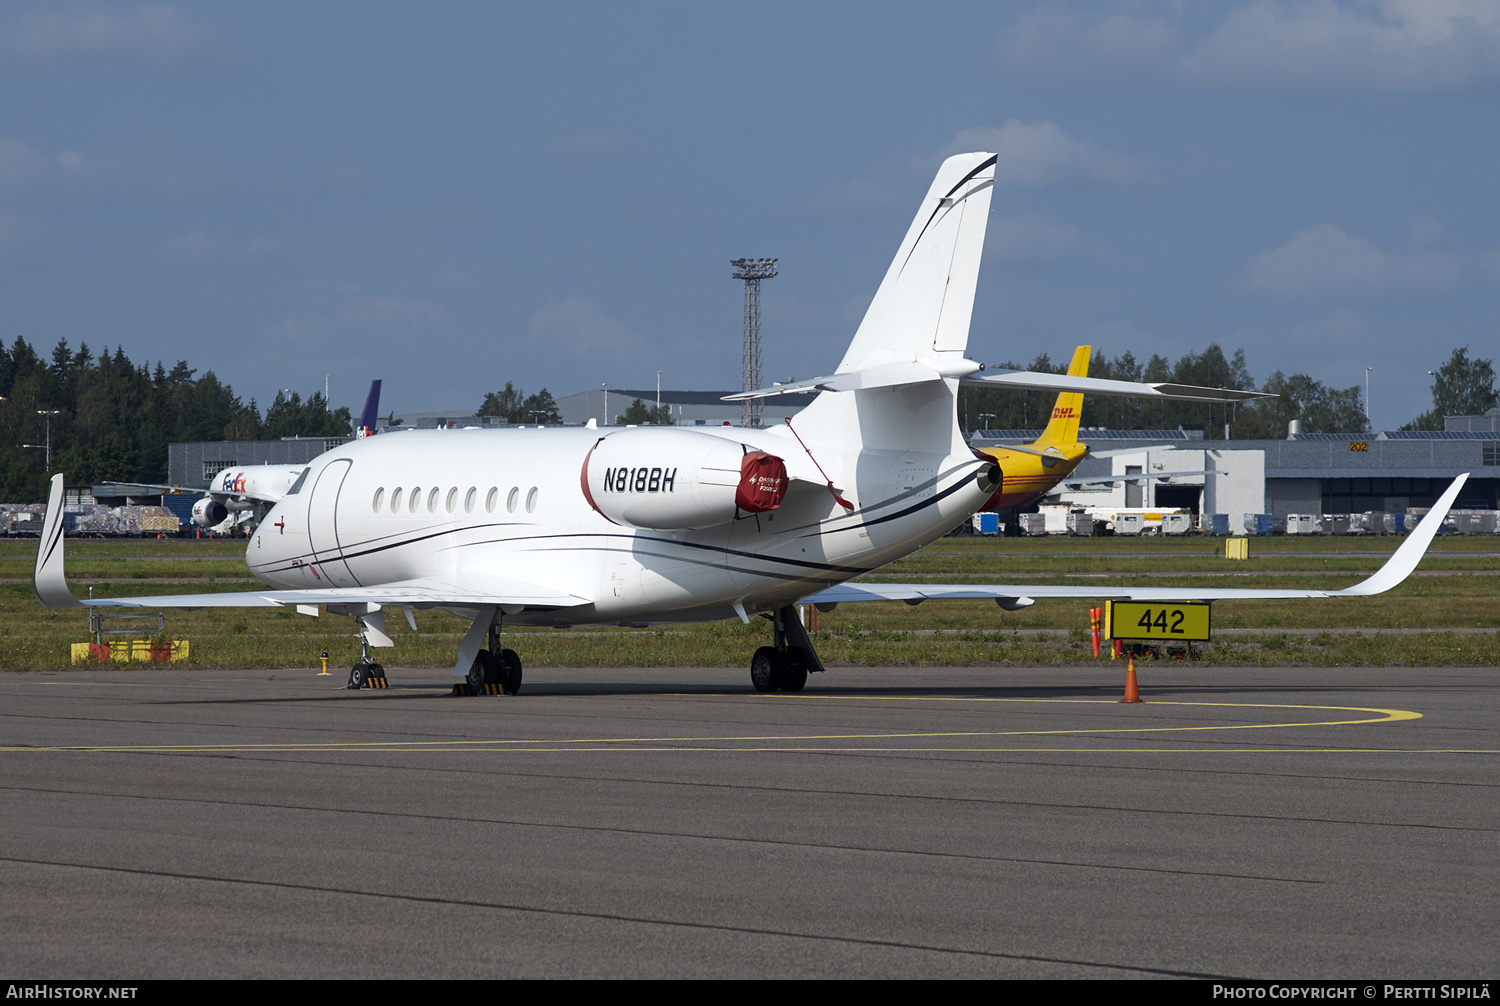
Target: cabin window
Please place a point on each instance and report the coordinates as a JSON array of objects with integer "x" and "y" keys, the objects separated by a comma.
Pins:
[
  {"x": 379, "y": 499},
  {"x": 297, "y": 486},
  {"x": 469, "y": 498},
  {"x": 491, "y": 500},
  {"x": 531, "y": 500},
  {"x": 432, "y": 499},
  {"x": 452, "y": 498},
  {"x": 416, "y": 498},
  {"x": 396, "y": 500},
  {"x": 514, "y": 499}
]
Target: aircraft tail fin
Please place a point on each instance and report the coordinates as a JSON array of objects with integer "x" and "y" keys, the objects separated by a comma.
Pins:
[
  {"x": 371, "y": 412},
  {"x": 1062, "y": 428},
  {"x": 921, "y": 312}
]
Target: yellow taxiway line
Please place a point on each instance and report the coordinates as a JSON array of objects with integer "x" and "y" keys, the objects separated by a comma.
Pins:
[{"x": 803, "y": 742}]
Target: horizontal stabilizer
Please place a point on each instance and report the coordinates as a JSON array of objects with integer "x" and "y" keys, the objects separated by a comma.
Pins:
[
  {"x": 888, "y": 376},
  {"x": 1396, "y": 569}
]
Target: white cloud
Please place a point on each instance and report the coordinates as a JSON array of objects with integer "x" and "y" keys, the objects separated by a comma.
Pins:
[
  {"x": 19, "y": 163},
  {"x": 17, "y": 234},
  {"x": 150, "y": 33},
  {"x": 1401, "y": 45},
  {"x": 1489, "y": 267},
  {"x": 860, "y": 195},
  {"x": 590, "y": 146},
  {"x": 1423, "y": 231},
  {"x": 1054, "y": 40},
  {"x": 1323, "y": 260},
  {"x": 23, "y": 165},
  {"x": 345, "y": 311},
  {"x": 1027, "y": 155},
  {"x": 199, "y": 246},
  {"x": 578, "y": 325},
  {"x": 1040, "y": 153},
  {"x": 1032, "y": 238}
]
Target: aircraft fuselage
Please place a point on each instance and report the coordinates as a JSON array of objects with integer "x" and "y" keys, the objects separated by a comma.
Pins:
[{"x": 444, "y": 504}]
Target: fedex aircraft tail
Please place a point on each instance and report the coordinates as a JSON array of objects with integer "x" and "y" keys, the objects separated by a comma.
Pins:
[
  {"x": 367, "y": 418},
  {"x": 1062, "y": 428}
]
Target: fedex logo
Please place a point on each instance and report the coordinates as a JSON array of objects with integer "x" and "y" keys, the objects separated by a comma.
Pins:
[{"x": 232, "y": 482}]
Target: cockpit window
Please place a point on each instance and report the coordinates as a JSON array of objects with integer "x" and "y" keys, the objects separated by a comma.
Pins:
[{"x": 297, "y": 486}]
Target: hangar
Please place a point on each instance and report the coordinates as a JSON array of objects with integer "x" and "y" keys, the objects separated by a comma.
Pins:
[{"x": 1307, "y": 473}]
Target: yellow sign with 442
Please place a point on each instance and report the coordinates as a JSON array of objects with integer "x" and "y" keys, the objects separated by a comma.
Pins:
[{"x": 1144, "y": 620}]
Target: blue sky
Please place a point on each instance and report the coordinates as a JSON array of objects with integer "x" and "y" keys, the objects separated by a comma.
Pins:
[{"x": 450, "y": 196}]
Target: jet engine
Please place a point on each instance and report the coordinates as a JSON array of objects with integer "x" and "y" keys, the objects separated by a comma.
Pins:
[
  {"x": 209, "y": 512},
  {"x": 671, "y": 479}
]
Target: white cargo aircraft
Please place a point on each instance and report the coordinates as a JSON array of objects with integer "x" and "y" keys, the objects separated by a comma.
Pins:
[
  {"x": 647, "y": 525},
  {"x": 247, "y": 492}
]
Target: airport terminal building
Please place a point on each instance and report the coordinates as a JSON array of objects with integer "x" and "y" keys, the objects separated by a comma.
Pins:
[{"x": 1304, "y": 474}]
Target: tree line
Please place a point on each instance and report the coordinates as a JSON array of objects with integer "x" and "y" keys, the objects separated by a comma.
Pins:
[
  {"x": 109, "y": 419},
  {"x": 1462, "y": 386}
]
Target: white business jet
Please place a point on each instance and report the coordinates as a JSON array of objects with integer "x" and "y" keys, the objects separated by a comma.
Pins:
[{"x": 639, "y": 525}]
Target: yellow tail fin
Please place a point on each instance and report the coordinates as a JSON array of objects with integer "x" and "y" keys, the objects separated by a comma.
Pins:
[{"x": 1062, "y": 428}]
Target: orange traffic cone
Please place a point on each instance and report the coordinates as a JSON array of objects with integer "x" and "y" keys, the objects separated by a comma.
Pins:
[{"x": 1132, "y": 694}]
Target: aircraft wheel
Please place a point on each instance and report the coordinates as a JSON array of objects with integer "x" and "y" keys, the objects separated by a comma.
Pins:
[
  {"x": 767, "y": 668},
  {"x": 509, "y": 671},
  {"x": 358, "y": 675},
  {"x": 481, "y": 671},
  {"x": 793, "y": 675}
]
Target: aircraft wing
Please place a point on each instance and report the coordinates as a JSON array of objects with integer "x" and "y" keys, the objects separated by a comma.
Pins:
[
  {"x": 1012, "y": 596},
  {"x": 478, "y": 591},
  {"x": 1135, "y": 477}
]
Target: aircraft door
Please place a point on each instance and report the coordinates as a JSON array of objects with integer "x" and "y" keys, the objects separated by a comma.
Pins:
[{"x": 322, "y": 525}]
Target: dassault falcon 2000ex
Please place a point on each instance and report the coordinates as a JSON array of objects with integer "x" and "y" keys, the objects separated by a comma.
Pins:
[{"x": 643, "y": 525}]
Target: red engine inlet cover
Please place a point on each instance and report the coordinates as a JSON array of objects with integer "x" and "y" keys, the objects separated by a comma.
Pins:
[{"x": 762, "y": 482}]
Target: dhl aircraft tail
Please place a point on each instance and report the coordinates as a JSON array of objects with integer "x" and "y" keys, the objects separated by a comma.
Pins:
[
  {"x": 1029, "y": 473},
  {"x": 1062, "y": 428}
]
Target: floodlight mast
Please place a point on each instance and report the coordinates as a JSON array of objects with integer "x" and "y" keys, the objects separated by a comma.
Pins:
[{"x": 752, "y": 271}]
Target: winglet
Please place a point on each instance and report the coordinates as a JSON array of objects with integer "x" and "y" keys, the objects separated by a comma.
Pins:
[
  {"x": 1399, "y": 566},
  {"x": 48, "y": 581}
]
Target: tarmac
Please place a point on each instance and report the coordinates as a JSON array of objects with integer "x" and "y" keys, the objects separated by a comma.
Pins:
[{"x": 890, "y": 822}]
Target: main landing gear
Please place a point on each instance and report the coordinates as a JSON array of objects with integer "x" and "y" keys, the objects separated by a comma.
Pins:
[
  {"x": 785, "y": 665},
  {"x": 494, "y": 670},
  {"x": 367, "y": 673}
]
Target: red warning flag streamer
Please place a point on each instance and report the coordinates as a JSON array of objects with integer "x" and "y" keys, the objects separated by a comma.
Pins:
[{"x": 836, "y": 497}]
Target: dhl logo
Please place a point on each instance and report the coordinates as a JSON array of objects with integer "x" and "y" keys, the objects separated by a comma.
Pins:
[{"x": 1065, "y": 412}]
